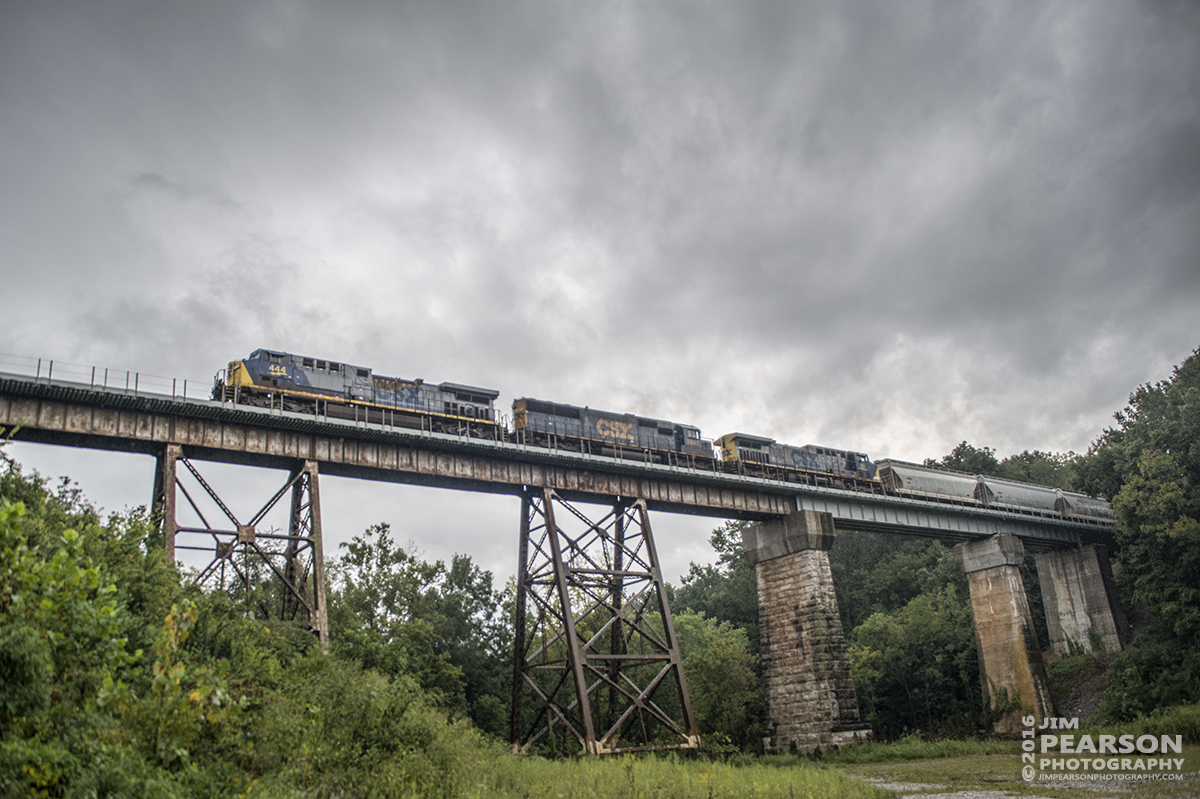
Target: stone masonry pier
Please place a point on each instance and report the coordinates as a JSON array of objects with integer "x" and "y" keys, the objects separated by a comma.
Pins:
[
  {"x": 810, "y": 695},
  {"x": 1009, "y": 659},
  {"x": 1082, "y": 611}
]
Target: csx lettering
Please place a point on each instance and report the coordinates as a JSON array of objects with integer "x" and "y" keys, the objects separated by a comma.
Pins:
[{"x": 613, "y": 429}]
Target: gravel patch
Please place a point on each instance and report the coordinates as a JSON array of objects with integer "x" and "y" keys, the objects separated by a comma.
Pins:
[
  {"x": 917, "y": 790},
  {"x": 969, "y": 795}
]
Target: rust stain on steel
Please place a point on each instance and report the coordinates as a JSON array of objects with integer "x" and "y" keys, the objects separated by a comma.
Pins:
[
  {"x": 467, "y": 467},
  {"x": 79, "y": 420}
]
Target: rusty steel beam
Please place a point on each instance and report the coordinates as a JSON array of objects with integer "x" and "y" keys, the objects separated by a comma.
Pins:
[
  {"x": 123, "y": 419},
  {"x": 282, "y": 576},
  {"x": 595, "y": 647},
  {"x": 406, "y": 457}
]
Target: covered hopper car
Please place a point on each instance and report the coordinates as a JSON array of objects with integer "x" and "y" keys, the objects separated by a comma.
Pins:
[{"x": 945, "y": 485}]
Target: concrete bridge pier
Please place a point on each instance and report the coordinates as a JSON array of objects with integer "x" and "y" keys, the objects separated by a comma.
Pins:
[
  {"x": 810, "y": 695},
  {"x": 1082, "y": 610},
  {"x": 1009, "y": 659}
]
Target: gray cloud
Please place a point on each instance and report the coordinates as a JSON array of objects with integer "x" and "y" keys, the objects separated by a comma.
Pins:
[{"x": 883, "y": 226}]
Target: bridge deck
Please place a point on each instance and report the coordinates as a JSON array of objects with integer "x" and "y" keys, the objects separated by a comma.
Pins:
[{"x": 78, "y": 414}]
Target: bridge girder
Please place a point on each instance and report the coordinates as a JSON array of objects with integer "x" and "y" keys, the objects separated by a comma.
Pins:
[{"x": 118, "y": 419}]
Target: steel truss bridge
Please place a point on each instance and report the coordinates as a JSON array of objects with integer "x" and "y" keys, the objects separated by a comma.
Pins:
[{"x": 597, "y": 666}]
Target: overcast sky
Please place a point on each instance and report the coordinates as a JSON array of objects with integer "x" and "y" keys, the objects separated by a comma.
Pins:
[{"x": 882, "y": 226}]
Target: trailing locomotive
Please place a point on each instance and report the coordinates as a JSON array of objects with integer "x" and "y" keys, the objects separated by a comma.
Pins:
[
  {"x": 763, "y": 457},
  {"x": 614, "y": 435},
  {"x": 289, "y": 382},
  {"x": 273, "y": 379}
]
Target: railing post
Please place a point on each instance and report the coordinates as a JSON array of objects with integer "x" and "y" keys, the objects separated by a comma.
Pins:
[{"x": 163, "y": 502}]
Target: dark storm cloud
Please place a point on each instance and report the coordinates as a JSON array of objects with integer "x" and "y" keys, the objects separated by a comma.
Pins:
[
  {"x": 887, "y": 226},
  {"x": 976, "y": 172}
]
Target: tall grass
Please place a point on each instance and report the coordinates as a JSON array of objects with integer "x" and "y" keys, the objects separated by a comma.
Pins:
[
  {"x": 1179, "y": 720},
  {"x": 491, "y": 772},
  {"x": 669, "y": 778},
  {"x": 911, "y": 747}
]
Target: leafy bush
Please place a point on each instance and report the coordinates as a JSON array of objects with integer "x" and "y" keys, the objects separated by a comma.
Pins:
[
  {"x": 917, "y": 668},
  {"x": 726, "y": 692}
]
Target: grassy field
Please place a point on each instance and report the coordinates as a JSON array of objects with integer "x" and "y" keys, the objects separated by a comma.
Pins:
[
  {"x": 880, "y": 772},
  {"x": 948, "y": 766},
  {"x": 793, "y": 777},
  {"x": 905, "y": 767},
  {"x": 1003, "y": 773},
  {"x": 871, "y": 771},
  {"x": 668, "y": 778}
]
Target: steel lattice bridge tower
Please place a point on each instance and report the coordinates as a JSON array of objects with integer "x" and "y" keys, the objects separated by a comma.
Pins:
[
  {"x": 282, "y": 575},
  {"x": 597, "y": 667}
]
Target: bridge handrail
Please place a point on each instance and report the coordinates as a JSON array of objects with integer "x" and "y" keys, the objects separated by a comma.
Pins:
[
  {"x": 54, "y": 371},
  {"x": 52, "y": 376}
]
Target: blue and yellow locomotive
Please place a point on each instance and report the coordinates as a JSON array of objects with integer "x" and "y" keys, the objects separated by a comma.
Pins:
[
  {"x": 273, "y": 379},
  {"x": 764, "y": 457},
  {"x": 279, "y": 380},
  {"x": 614, "y": 435}
]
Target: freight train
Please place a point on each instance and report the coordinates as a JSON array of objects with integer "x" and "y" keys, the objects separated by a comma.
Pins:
[{"x": 273, "y": 379}]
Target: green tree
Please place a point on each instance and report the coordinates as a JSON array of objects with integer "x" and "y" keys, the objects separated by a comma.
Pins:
[
  {"x": 1158, "y": 532},
  {"x": 916, "y": 668},
  {"x": 1164, "y": 417},
  {"x": 1054, "y": 469},
  {"x": 727, "y": 590},
  {"x": 394, "y": 612},
  {"x": 61, "y": 651},
  {"x": 222, "y": 702},
  {"x": 877, "y": 573},
  {"x": 468, "y": 617},
  {"x": 377, "y": 588},
  {"x": 1149, "y": 463},
  {"x": 966, "y": 458},
  {"x": 723, "y": 682}
]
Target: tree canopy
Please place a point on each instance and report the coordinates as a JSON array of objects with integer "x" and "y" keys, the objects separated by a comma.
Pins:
[{"x": 1149, "y": 463}]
